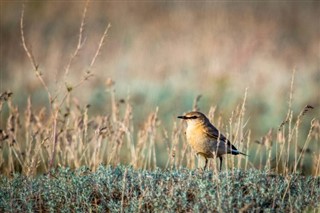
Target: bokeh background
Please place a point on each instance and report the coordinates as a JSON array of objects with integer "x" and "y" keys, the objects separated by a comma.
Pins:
[{"x": 165, "y": 53}]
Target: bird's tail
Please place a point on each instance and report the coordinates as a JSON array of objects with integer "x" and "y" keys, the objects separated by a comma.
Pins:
[{"x": 236, "y": 152}]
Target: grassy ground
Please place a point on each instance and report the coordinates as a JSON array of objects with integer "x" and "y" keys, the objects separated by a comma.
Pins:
[
  {"x": 178, "y": 190},
  {"x": 76, "y": 92}
]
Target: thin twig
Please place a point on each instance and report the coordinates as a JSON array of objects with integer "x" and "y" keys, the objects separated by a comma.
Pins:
[
  {"x": 76, "y": 52},
  {"x": 29, "y": 54},
  {"x": 33, "y": 62},
  {"x": 80, "y": 40},
  {"x": 105, "y": 33},
  {"x": 88, "y": 73}
]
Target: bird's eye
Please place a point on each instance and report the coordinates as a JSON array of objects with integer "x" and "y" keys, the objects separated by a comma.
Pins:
[{"x": 193, "y": 117}]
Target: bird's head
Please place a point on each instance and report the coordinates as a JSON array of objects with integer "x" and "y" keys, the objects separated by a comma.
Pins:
[{"x": 194, "y": 117}]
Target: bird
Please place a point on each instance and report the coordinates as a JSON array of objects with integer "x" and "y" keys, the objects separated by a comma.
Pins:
[{"x": 205, "y": 139}]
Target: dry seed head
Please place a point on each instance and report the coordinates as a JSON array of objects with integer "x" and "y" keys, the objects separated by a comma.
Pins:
[
  {"x": 110, "y": 83},
  {"x": 306, "y": 109},
  {"x": 5, "y": 96}
]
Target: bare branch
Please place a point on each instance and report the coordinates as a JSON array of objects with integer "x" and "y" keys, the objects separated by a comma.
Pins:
[
  {"x": 29, "y": 54},
  {"x": 88, "y": 74},
  {"x": 70, "y": 88},
  {"x": 80, "y": 41},
  {"x": 99, "y": 47},
  {"x": 31, "y": 57}
]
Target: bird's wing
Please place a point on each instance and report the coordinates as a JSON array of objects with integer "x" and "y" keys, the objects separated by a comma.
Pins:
[{"x": 214, "y": 133}]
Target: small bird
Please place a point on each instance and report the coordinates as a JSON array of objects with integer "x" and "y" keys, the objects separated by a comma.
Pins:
[{"x": 205, "y": 139}]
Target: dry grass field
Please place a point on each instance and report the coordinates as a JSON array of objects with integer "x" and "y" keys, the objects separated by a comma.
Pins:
[{"x": 99, "y": 85}]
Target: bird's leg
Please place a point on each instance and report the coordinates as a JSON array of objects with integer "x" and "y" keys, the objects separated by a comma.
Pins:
[
  {"x": 220, "y": 163},
  {"x": 205, "y": 165}
]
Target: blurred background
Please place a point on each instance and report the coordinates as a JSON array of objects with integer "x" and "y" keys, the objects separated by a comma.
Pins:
[{"x": 165, "y": 53}]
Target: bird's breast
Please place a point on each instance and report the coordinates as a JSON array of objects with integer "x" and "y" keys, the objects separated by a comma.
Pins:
[
  {"x": 194, "y": 133},
  {"x": 198, "y": 140}
]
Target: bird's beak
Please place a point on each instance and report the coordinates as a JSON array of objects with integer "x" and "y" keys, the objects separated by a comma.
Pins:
[{"x": 182, "y": 117}]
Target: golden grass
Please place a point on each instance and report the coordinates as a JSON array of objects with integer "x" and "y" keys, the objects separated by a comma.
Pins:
[{"x": 34, "y": 141}]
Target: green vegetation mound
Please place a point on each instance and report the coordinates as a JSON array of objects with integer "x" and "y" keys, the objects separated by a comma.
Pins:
[{"x": 123, "y": 188}]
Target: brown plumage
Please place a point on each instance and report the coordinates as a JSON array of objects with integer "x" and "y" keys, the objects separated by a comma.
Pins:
[{"x": 205, "y": 139}]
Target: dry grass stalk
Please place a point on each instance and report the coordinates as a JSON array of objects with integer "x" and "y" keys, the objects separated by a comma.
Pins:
[
  {"x": 54, "y": 107},
  {"x": 65, "y": 135}
]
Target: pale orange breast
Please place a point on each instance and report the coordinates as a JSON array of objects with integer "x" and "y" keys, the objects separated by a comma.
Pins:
[{"x": 199, "y": 141}]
